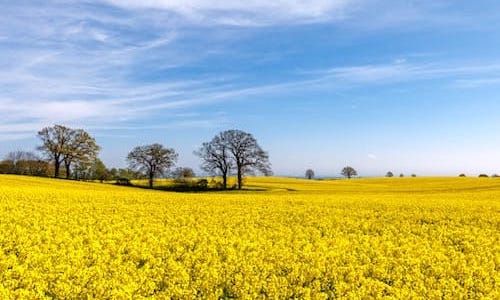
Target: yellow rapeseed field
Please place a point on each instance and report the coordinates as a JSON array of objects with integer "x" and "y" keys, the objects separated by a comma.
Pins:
[{"x": 410, "y": 238}]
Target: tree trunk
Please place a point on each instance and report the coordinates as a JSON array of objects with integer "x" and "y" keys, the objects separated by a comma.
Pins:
[
  {"x": 151, "y": 181},
  {"x": 68, "y": 169},
  {"x": 240, "y": 178},
  {"x": 57, "y": 164},
  {"x": 224, "y": 181}
]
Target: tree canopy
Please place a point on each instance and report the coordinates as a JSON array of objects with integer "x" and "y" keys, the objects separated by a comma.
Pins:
[
  {"x": 349, "y": 172},
  {"x": 153, "y": 160},
  {"x": 234, "y": 150}
]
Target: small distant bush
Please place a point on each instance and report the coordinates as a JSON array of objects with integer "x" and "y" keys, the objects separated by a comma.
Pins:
[
  {"x": 462, "y": 175},
  {"x": 188, "y": 184},
  {"x": 495, "y": 175},
  {"x": 483, "y": 175},
  {"x": 123, "y": 181},
  {"x": 413, "y": 175}
]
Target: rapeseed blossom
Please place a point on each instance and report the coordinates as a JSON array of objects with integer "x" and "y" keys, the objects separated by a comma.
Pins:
[{"x": 425, "y": 238}]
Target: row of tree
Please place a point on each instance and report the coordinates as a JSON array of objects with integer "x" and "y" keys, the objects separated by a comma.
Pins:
[
  {"x": 348, "y": 172},
  {"x": 70, "y": 147},
  {"x": 73, "y": 153},
  {"x": 229, "y": 152}
]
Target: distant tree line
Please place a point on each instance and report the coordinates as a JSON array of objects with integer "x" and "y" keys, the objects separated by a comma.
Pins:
[{"x": 24, "y": 163}]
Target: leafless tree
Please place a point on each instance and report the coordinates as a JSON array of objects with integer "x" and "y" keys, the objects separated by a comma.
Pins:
[
  {"x": 248, "y": 156},
  {"x": 153, "y": 160},
  {"x": 216, "y": 158}
]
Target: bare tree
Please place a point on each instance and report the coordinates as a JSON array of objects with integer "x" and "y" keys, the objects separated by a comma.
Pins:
[
  {"x": 153, "y": 160},
  {"x": 248, "y": 156},
  {"x": 181, "y": 173},
  {"x": 216, "y": 158},
  {"x": 309, "y": 174},
  {"x": 349, "y": 172},
  {"x": 55, "y": 141}
]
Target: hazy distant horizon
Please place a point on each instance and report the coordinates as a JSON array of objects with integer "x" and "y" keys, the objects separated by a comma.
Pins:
[{"x": 378, "y": 85}]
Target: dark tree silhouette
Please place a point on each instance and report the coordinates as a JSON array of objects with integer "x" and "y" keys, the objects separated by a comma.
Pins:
[
  {"x": 216, "y": 158},
  {"x": 349, "y": 172},
  {"x": 389, "y": 174},
  {"x": 153, "y": 160},
  {"x": 234, "y": 149},
  {"x": 309, "y": 174},
  {"x": 248, "y": 156}
]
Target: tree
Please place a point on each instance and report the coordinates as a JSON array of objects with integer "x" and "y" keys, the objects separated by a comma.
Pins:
[
  {"x": 309, "y": 174},
  {"x": 413, "y": 175},
  {"x": 181, "y": 173},
  {"x": 483, "y": 176},
  {"x": 55, "y": 141},
  {"x": 216, "y": 158},
  {"x": 389, "y": 174},
  {"x": 100, "y": 172},
  {"x": 401, "y": 175},
  {"x": 462, "y": 175},
  {"x": 153, "y": 160},
  {"x": 65, "y": 145},
  {"x": 248, "y": 156},
  {"x": 349, "y": 172},
  {"x": 81, "y": 148}
]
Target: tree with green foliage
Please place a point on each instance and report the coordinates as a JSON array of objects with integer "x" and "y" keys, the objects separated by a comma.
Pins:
[
  {"x": 55, "y": 141},
  {"x": 309, "y": 174},
  {"x": 183, "y": 172},
  {"x": 81, "y": 149},
  {"x": 349, "y": 172}
]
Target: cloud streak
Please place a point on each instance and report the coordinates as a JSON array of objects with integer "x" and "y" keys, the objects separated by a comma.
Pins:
[
  {"x": 247, "y": 13},
  {"x": 97, "y": 63}
]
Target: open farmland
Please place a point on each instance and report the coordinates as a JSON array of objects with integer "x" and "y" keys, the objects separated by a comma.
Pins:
[{"x": 428, "y": 238}]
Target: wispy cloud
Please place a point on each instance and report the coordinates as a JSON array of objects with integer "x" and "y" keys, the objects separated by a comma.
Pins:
[
  {"x": 94, "y": 63},
  {"x": 247, "y": 13},
  {"x": 401, "y": 71},
  {"x": 477, "y": 82}
]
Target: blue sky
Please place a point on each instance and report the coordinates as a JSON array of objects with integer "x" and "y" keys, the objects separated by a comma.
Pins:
[{"x": 406, "y": 86}]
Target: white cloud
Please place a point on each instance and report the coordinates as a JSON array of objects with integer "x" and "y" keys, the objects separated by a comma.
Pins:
[
  {"x": 405, "y": 71},
  {"x": 247, "y": 13}
]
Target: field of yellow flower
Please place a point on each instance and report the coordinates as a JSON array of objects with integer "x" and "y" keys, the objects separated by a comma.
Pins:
[{"x": 428, "y": 238}]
